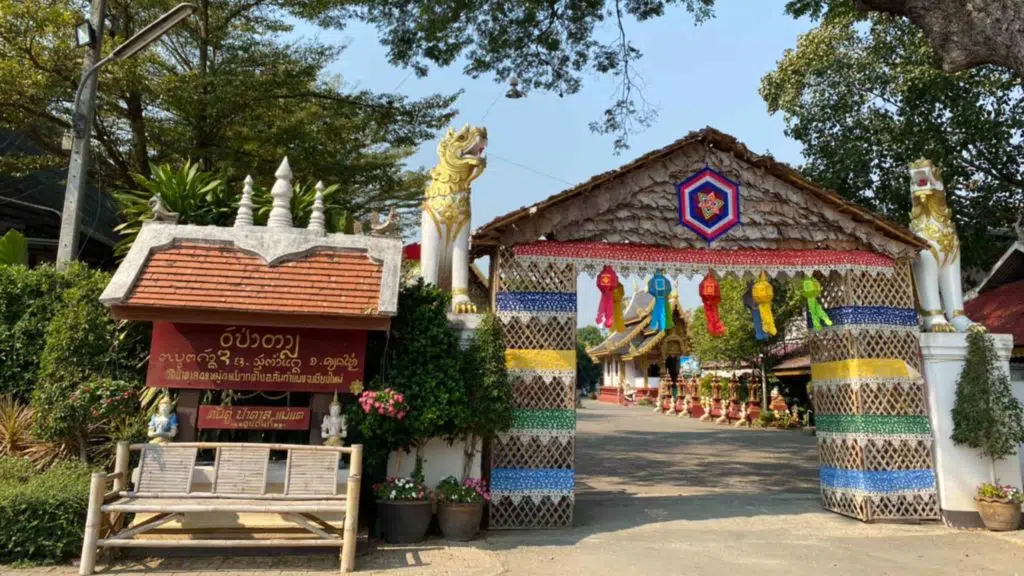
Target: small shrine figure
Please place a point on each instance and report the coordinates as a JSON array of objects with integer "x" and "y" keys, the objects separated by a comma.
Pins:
[
  {"x": 778, "y": 403},
  {"x": 794, "y": 417},
  {"x": 334, "y": 429},
  {"x": 163, "y": 425}
]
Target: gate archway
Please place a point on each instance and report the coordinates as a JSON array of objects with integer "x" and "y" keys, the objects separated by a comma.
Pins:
[{"x": 874, "y": 439}]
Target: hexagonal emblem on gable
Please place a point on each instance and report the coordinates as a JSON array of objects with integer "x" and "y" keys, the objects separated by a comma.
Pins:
[{"x": 709, "y": 204}]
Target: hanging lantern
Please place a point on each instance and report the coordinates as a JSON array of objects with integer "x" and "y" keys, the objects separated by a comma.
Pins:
[
  {"x": 607, "y": 280},
  {"x": 659, "y": 287},
  {"x": 711, "y": 296},
  {"x": 763, "y": 294},
  {"x": 755, "y": 314},
  {"x": 811, "y": 289},
  {"x": 618, "y": 323},
  {"x": 673, "y": 299}
]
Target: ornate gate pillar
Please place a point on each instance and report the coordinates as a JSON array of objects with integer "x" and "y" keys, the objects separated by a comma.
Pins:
[
  {"x": 874, "y": 438},
  {"x": 532, "y": 466}
]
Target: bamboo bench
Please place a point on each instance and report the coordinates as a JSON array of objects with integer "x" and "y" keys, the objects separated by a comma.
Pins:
[{"x": 163, "y": 487}]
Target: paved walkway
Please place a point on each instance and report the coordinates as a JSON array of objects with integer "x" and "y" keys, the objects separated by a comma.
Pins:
[{"x": 666, "y": 495}]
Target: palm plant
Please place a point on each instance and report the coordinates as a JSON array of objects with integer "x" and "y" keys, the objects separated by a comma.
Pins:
[{"x": 15, "y": 427}]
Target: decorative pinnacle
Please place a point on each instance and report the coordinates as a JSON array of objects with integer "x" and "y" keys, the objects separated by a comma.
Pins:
[
  {"x": 281, "y": 213},
  {"x": 244, "y": 216},
  {"x": 316, "y": 219}
]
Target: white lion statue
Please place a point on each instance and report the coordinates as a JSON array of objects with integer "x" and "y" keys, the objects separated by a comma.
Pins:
[{"x": 937, "y": 269}]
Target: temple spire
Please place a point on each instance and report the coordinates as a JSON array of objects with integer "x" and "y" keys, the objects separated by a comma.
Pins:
[
  {"x": 281, "y": 214},
  {"x": 244, "y": 216},
  {"x": 316, "y": 219}
]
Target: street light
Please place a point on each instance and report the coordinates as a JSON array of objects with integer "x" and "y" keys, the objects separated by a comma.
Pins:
[{"x": 91, "y": 35}]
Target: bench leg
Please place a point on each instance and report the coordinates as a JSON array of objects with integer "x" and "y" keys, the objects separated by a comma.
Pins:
[
  {"x": 349, "y": 536},
  {"x": 93, "y": 520}
]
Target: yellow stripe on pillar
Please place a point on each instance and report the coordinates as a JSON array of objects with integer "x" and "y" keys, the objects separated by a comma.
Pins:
[
  {"x": 561, "y": 360},
  {"x": 860, "y": 368}
]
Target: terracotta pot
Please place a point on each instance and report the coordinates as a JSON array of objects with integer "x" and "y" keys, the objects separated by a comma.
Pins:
[
  {"x": 404, "y": 522},
  {"x": 460, "y": 522},
  {"x": 999, "y": 516}
]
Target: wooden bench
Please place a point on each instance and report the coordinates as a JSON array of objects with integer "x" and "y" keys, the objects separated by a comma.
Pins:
[{"x": 164, "y": 487}]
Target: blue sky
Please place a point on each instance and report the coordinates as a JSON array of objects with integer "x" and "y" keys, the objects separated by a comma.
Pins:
[{"x": 695, "y": 76}]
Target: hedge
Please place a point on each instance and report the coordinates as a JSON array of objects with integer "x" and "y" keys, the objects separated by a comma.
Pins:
[{"x": 42, "y": 515}]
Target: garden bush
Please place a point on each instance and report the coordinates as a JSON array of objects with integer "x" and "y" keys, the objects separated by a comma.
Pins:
[{"x": 42, "y": 515}]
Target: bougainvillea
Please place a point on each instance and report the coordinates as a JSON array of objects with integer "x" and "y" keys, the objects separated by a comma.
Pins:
[{"x": 386, "y": 403}]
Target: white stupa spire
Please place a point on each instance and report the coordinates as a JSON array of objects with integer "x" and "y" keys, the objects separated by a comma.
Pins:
[
  {"x": 281, "y": 213},
  {"x": 316, "y": 219},
  {"x": 244, "y": 216}
]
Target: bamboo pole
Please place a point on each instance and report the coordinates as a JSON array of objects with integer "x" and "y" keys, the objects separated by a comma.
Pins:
[
  {"x": 348, "y": 548},
  {"x": 93, "y": 519},
  {"x": 121, "y": 466}
]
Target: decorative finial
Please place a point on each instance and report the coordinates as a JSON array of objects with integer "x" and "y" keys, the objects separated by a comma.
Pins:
[
  {"x": 281, "y": 213},
  {"x": 245, "y": 206},
  {"x": 160, "y": 211},
  {"x": 316, "y": 220}
]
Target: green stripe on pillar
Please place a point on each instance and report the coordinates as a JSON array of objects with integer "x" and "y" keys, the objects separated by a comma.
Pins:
[
  {"x": 872, "y": 424},
  {"x": 545, "y": 419}
]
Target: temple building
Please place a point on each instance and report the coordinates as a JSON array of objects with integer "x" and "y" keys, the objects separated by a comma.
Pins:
[
  {"x": 998, "y": 302},
  {"x": 634, "y": 360}
]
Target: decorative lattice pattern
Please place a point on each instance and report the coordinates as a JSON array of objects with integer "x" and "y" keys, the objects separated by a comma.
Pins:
[
  {"x": 516, "y": 451},
  {"x": 863, "y": 289},
  {"x": 533, "y": 392},
  {"x": 506, "y": 513},
  {"x": 845, "y": 504},
  {"x": 842, "y": 344},
  {"x": 522, "y": 276},
  {"x": 533, "y": 333},
  {"x": 875, "y": 454},
  {"x": 882, "y": 506},
  {"x": 890, "y": 398}
]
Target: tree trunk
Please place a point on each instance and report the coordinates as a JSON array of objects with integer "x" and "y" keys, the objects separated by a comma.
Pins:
[
  {"x": 468, "y": 455},
  {"x": 965, "y": 34},
  {"x": 199, "y": 130},
  {"x": 83, "y": 444},
  {"x": 137, "y": 123}
]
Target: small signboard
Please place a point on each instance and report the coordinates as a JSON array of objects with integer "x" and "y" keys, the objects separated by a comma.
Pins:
[
  {"x": 253, "y": 418},
  {"x": 207, "y": 356}
]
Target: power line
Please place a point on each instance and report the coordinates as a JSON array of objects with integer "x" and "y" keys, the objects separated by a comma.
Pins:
[{"x": 527, "y": 168}]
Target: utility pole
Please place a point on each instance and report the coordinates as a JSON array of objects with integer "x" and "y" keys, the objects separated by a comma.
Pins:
[{"x": 85, "y": 108}]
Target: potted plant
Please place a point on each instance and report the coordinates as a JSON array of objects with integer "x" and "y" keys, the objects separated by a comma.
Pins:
[
  {"x": 460, "y": 507},
  {"x": 986, "y": 416},
  {"x": 404, "y": 509},
  {"x": 999, "y": 505}
]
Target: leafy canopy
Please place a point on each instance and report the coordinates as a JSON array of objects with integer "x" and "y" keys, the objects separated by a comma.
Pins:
[{"x": 863, "y": 96}]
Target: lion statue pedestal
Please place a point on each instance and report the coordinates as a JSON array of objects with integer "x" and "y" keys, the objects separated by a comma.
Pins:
[{"x": 937, "y": 269}]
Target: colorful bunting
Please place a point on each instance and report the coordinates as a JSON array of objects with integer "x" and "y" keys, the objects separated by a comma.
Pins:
[
  {"x": 811, "y": 289},
  {"x": 763, "y": 294},
  {"x": 711, "y": 295}
]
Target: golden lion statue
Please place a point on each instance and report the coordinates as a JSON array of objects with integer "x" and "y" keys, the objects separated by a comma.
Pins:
[
  {"x": 444, "y": 250},
  {"x": 937, "y": 269}
]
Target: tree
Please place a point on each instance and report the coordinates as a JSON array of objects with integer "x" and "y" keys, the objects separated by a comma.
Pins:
[
  {"x": 588, "y": 373},
  {"x": 488, "y": 392},
  {"x": 739, "y": 344},
  {"x": 864, "y": 98},
  {"x": 988, "y": 32},
  {"x": 224, "y": 88},
  {"x": 986, "y": 415}
]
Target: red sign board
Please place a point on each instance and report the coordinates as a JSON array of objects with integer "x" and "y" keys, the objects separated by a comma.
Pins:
[
  {"x": 209, "y": 356},
  {"x": 253, "y": 418}
]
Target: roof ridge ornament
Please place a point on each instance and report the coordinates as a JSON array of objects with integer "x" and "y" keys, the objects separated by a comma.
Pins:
[
  {"x": 245, "y": 206},
  {"x": 281, "y": 214},
  {"x": 316, "y": 219}
]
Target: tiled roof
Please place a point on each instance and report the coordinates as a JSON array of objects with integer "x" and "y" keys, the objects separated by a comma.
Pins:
[
  {"x": 1001, "y": 310},
  {"x": 202, "y": 276}
]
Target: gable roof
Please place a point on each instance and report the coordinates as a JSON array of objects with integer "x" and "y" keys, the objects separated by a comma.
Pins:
[
  {"x": 490, "y": 234},
  {"x": 1009, "y": 268}
]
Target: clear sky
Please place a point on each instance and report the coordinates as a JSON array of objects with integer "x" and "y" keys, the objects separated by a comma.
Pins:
[{"x": 695, "y": 76}]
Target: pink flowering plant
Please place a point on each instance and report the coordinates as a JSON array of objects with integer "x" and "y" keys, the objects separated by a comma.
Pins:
[
  {"x": 401, "y": 490},
  {"x": 105, "y": 399},
  {"x": 386, "y": 403},
  {"x": 1000, "y": 493},
  {"x": 469, "y": 491}
]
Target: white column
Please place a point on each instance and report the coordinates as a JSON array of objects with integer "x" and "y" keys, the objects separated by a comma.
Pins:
[{"x": 959, "y": 469}]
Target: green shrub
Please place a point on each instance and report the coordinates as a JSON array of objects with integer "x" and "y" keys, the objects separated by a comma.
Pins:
[
  {"x": 986, "y": 415},
  {"x": 42, "y": 516}
]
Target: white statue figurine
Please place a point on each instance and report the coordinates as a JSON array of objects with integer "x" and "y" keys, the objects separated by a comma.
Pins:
[
  {"x": 445, "y": 227},
  {"x": 333, "y": 429},
  {"x": 937, "y": 269},
  {"x": 163, "y": 425}
]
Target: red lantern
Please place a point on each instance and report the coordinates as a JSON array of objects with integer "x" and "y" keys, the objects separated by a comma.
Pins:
[
  {"x": 607, "y": 280},
  {"x": 711, "y": 295}
]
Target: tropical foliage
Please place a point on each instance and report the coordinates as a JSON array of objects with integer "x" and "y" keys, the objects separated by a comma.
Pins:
[
  {"x": 588, "y": 372},
  {"x": 13, "y": 249},
  {"x": 488, "y": 392},
  {"x": 986, "y": 415}
]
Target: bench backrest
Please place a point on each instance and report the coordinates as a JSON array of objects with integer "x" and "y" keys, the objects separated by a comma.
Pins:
[{"x": 239, "y": 469}]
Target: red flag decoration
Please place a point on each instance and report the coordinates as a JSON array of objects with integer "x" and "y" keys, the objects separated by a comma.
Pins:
[
  {"x": 711, "y": 295},
  {"x": 709, "y": 204},
  {"x": 607, "y": 280}
]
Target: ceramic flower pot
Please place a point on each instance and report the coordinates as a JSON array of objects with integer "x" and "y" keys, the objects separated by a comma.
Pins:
[
  {"x": 460, "y": 522},
  {"x": 404, "y": 522},
  {"x": 997, "y": 515}
]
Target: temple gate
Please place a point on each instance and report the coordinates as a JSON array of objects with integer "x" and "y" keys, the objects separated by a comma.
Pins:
[{"x": 874, "y": 437}]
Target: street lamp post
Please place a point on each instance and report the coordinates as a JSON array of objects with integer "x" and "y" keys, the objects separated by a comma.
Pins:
[{"x": 81, "y": 124}]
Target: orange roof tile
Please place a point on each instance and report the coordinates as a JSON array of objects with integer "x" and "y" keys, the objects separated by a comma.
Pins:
[{"x": 204, "y": 277}]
